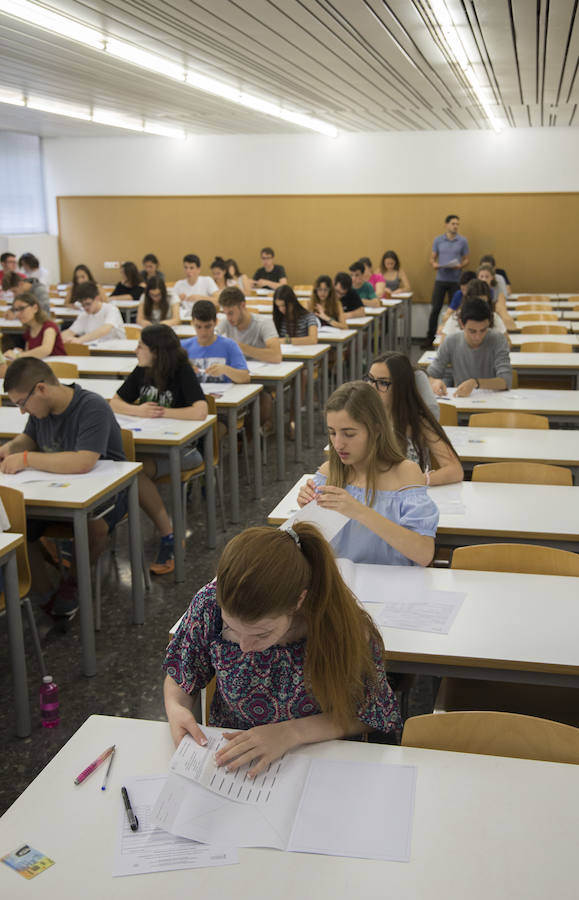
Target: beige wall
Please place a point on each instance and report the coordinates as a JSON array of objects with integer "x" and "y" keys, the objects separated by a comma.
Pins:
[{"x": 534, "y": 236}]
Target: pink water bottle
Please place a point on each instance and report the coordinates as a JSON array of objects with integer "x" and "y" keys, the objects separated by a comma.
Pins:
[{"x": 49, "y": 712}]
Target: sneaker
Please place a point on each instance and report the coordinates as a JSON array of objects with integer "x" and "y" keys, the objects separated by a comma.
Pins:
[
  {"x": 165, "y": 562},
  {"x": 63, "y": 606}
]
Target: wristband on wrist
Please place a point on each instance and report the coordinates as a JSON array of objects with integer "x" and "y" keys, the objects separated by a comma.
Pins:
[{"x": 25, "y": 458}]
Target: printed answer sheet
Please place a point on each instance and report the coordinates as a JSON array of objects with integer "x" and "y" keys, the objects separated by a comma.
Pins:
[
  {"x": 102, "y": 468},
  {"x": 150, "y": 849},
  {"x": 328, "y": 521}
]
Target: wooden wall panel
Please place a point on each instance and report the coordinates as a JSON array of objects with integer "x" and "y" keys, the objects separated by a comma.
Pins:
[{"x": 533, "y": 236}]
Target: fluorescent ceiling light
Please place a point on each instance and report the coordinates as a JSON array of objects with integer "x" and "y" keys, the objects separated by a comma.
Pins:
[
  {"x": 15, "y": 98},
  {"x": 211, "y": 86},
  {"x": 117, "y": 120},
  {"x": 58, "y": 109},
  {"x": 144, "y": 59},
  {"x": 164, "y": 130},
  {"x": 51, "y": 21}
]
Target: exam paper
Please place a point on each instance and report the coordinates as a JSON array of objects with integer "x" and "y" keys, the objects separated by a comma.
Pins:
[
  {"x": 328, "y": 521},
  {"x": 103, "y": 468},
  {"x": 159, "y": 425},
  {"x": 433, "y": 611},
  {"x": 216, "y": 387},
  {"x": 254, "y": 366},
  {"x": 150, "y": 849},
  {"x": 374, "y": 583}
]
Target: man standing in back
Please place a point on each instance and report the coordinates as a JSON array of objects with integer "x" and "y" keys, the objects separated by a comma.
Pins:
[{"x": 449, "y": 257}]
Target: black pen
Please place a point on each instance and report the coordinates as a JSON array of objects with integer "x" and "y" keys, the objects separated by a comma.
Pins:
[{"x": 133, "y": 821}]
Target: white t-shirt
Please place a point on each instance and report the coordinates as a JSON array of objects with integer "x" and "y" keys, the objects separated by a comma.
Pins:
[
  {"x": 108, "y": 314},
  {"x": 451, "y": 325},
  {"x": 204, "y": 286}
]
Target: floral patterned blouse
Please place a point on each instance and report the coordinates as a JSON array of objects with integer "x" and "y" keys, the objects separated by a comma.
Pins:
[{"x": 259, "y": 687}]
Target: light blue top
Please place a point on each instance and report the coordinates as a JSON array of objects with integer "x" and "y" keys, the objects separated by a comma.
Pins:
[
  {"x": 223, "y": 351},
  {"x": 410, "y": 507}
]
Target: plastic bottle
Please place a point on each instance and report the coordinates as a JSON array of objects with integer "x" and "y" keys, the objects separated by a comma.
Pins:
[{"x": 49, "y": 706}]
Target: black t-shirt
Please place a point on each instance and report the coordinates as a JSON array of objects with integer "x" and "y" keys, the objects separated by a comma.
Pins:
[
  {"x": 276, "y": 274},
  {"x": 87, "y": 423},
  {"x": 351, "y": 301},
  {"x": 121, "y": 289},
  {"x": 182, "y": 390}
]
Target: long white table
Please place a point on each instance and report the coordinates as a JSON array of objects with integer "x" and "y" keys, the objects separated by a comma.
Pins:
[
  {"x": 104, "y": 387},
  {"x": 100, "y": 366},
  {"x": 9, "y": 544},
  {"x": 531, "y": 363},
  {"x": 483, "y": 827},
  {"x": 558, "y": 406}
]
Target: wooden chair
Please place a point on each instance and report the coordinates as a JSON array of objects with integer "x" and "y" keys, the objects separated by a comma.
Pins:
[
  {"x": 494, "y": 734},
  {"x": 541, "y": 315},
  {"x": 535, "y": 298},
  {"x": 77, "y": 349},
  {"x": 507, "y": 420},
  {"x": 522, "y": 473},
  {"x": 545, "y": 347},
  {"x": 62, "y": 369},
  {"x": 558, "y": 703},
  {"x": 448, "y": 414},
  {"x": 132, "y": 332},
  {"x": 545, "y": 329},
  {"x": 303, "y": 287}
]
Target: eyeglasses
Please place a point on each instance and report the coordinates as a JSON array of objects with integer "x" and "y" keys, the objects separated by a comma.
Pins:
[
  {"x": 22, "y": 403},
  {"x": 381, "y": 384},
  {"x": 18, "y": 309}
]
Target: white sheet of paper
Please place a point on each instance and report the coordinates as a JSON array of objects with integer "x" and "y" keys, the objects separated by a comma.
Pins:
[
  {"x": 448, "y": 498},
  {"x": 217, "y": 388},
  {"x": 162, "y": 425},
  {"x": 374, "y": 584},
  {"x": 328, "y": 521},
  {"x": 103, "y": 468},
  {"x": 329, "y": 331},
  {"x": 433, "y": 611},
  {"x": 150, "y": 849},
  {"x": 357, "y": 810},
  {"x": 254, "y": 366}
]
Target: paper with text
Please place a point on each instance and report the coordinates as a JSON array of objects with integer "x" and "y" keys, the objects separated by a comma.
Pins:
[
  {"x": 102, "y": 469},
  {"x": 433, "y": 611},
  {"x": 328, "y": 521}
]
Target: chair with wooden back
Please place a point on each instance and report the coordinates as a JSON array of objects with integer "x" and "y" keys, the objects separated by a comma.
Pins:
[
  {"x": 545, "y": 329},
  {"x": 132, "y": 332},
  {"x": 494, "y": 734},
  {"x": 63, "y": 369},
  {"x": 546, "y": 347},
  {"x": 448, "y": 414},
  {"x": 536, "y": 314},
  {"x": 77, "y": 349},
  {"x": 558, "y": 703},
  {"x": 534, "y": 298},
  {"x": 522, "y": 473},
  {"x": 507, "y": 420},
  {"x": 303, "y": 287}
]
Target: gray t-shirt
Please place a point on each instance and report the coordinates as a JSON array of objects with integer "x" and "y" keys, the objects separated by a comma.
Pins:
[
  {"x": 259, "y": 330},
  {"x": 87, "y": 423},
  {"x": 490, "y": 360},
  {"x": 427, "y": 394}
]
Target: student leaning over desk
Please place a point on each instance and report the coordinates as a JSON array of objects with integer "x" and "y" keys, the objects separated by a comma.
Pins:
[
  {"x": 97, "y": 322},
  {"x": 296, "y": 659},
  {"x": 367, "y": 478}
]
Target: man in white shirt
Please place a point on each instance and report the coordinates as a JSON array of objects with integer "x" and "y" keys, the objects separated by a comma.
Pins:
[
  {"x": 194, "y": 286},
  {"x": 98, "y": 322}
]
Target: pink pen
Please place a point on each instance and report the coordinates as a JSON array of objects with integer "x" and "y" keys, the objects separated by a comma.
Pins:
[{"x": 94, "y": 765}]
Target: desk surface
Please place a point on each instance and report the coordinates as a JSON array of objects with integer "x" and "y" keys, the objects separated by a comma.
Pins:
[
  {"x": 100, "y": 365},
  {"x": 272, "y": 371},
  {"x": 470, "y": 810},
  {"x": 77, "y": 493},
  {"x": 528, "y": 400},
  {"x": 104, "y": 387},
  {"x": 9, "y": 541},
  {"x": 560, "y": 446},
  {"x": 521, "y": 360},
  {"x": 517, "y": 340},
  {"x": 235, "y": 395},
  {"x": 174, "y": 433}
]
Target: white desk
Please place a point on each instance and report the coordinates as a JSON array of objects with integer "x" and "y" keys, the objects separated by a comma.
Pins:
[
  {"x": 115, "y": 347},
  {"x": 100, "y": 366},
  {"x": 396, "y": 307},
  {"x": 340, "y": 338},
  {"x": 9, "y": 543},
  {"x": 277, "y": 376},
  {"x": 558, "y": 406},
  {"x": 485, "y": 445},
  {"x": 125, "y": 307},
  {"x": 556, "y": 303},
  {"x": 483, "y": 827},
  {"x": 104, "y": 387},
  {"x": 517, "y": 340},
  {"x": 531, "y": 363},
  {"x": 361, "y": 324}
]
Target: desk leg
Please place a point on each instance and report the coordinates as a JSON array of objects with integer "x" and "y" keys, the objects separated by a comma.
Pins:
[
  {"x": 178, "y": 511},
  {"x": 16, "y": 646},
  {"x": 210, "y": 489},
  {"x": 255, "y": 424},
  {"x": 298, "y": 403},
  {"x": 339, "y": 364},
  {"x": 360, "y": 353},
  {"x": 81, "y": 549},
  {"x": 352, "y": 345},
  {"x": 279, "y": 427},
  {"x": 395, "y": 329},
  {"x": 391, "y": 316},
  {"x": 408, "y": 322},
  {"x": 384, "y": 320},
  {"x": 310, "y": 401},
  {"x": 324, "y": 386},
  {"x": 233, "y": 463},
  {"x": 136, "y": 553}
]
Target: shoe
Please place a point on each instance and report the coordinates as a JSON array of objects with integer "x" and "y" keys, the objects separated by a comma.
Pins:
[
  {"x": 62, "y": 607},
  {"x": 165, "y": 562},
  {"x": 426, "y": 344}
]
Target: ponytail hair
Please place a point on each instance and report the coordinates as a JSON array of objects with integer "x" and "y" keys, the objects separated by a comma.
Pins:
[{"x": 264, "y": 571}]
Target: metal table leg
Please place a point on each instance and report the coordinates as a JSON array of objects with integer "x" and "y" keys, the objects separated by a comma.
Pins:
[
  {"x": 81, "y": 549},
  {"x": 255, "y": 424},
  {"x": 339, "y": 364},
  {"x": 16, "y": 645},
  {"x": 178, "y": 511},
  {"x": 136, "y": 554},
  {"x": 280, "y": 437},
  {"x": 325, "y": 379},
  {"x": 310, "y": 400},
  {"x": 209, "y": 489},
  {"x": 233, "y": 463},
  {"x": 298, "y": 405}
]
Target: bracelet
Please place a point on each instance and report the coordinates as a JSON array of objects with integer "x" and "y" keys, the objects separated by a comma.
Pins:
[{"x": 25, "y": 458}]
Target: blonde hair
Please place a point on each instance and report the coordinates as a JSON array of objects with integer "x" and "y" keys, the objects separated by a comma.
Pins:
[
  {"x": 263, "y": 572},
  {"x": 363, "y": 404}
]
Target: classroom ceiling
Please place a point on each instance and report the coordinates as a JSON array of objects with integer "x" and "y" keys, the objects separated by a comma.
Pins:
[{"x": 361, "y": 65}]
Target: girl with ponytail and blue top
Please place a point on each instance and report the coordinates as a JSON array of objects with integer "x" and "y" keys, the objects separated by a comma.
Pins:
[
  {"x": 296, "y": 659},
  {"x": 368, "y": 479}
]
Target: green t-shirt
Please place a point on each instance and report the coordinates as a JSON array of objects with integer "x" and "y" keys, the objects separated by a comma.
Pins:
[{"x": 366, "y": 292}]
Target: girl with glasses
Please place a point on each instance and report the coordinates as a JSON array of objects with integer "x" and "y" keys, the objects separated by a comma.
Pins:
[
  {"x": 42, "y": 337},
  {"x": 368, "y": 479},
  {"x": 419, "y": 435},
  {"x": 325, "y": 305},
  {"x": 158, "y": 307}
]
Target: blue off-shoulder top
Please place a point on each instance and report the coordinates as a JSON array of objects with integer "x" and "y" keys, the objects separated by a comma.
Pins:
[{"x": 410, "y": 507}]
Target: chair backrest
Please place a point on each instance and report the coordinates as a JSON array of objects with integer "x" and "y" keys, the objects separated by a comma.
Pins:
[
  {"x": 13, "y": 502},
  {"x": 494, "y": 734},
  {"x": 545, "y": 347},
  {"x": 542, "y": 314},
  {"x": 128, "y": 440},
  {"x": 132, "y": 332},
  {"x": 303, "y": 287},
  {"x": 508, "y": 420},
  {"x": 545, "y": 329},
  {"x": 62, "y": 369},
  {"x": 534, "y": 298},
  {"x": 527, "y": 559},
  {"x": 522, "y": 473},
  {"x": 448, "y": 414},
  {"x": 77, "y": 349}
]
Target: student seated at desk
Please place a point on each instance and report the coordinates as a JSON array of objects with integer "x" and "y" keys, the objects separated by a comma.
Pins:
[
  {"x": 150, "y": 268},
  {"x": 256, "y": 336},
  {"x": 68, "y": 431},
  {"x": 294, "y": 324},
  {"x": 236, "y": 278},
  {"x": 376, "y": 279},
  {"x": 351, "y": 303},
  {"x": 81, "y": 275},
  {"x": 401, "y": 390},
  {"x": 19, "y": 284},
  {"x": 158, "y": 307},
  {"x": 163, "y": 384},
  {"x": 194, "y": 286},
  {"x": 368, "y": 479},
  {"x": 97, "y": 322},
  {"x": 29, "y": 265},
  {"x": 269, "y": 274},
  {"x": 487, "y": 273},
  {"x": 457, "y": 298},
  {"x": 501, "y": 276},
  {"x": 213, "y": 357},
  {"x": 479, "y": 357},
  {"x": 42, "y": 337},
  {"x": 131, "y": 285},
  {"x": 325, "y": 305},
  {"x": 295, "y": 658},
  {"x": 481, "y": 290},
  {"x": 394, "y": 275},
  {"x": 363, "y": 288}
]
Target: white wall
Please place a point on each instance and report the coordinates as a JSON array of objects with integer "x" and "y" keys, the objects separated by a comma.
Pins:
[
  {"x": 525, "y": 160},
  {"x": 44, "y": 246}
]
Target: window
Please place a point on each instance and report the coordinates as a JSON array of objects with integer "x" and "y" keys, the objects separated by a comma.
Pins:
[{"x": 22, "y": 208}]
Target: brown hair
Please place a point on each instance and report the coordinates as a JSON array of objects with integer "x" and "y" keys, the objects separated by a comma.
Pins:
[
  {"x": 231, "y": 296},
  {"x": 331, "y": 303},
  {"x": 30, "y": 300},
  {"x": 262, "y": 572},
  {"x": 363, "y": 404}
]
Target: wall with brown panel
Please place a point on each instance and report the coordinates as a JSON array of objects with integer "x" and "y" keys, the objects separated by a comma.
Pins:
[{"x": 534, "y": 236}]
